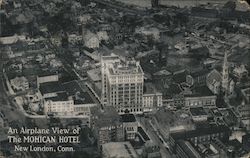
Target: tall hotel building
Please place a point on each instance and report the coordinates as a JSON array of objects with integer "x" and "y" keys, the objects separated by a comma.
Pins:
[{"x": 122, "y": 84}]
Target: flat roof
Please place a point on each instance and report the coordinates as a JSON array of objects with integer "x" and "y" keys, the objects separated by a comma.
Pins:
[
  {"x": 46, "y": 73},
  {"x": 200, "y": 91},
  {"x": 128, "y": 67},
  {"x": 188, "y": 149},
  {"x": 197, "y": 111},
  {"x": 115, "y": 57},
  {"x": 128, "y": 118},
  {"x": 180, "y": 77},
  {"x": 51, "y": 87},
  {"x": 80, "y": 95},
  {"x": 60, "y": 97},
  {"x": 107, "y": 116},
  {"x": 199, "y": 132}
]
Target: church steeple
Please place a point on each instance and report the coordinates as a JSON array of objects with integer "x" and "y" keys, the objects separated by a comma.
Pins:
[{"x": 225, "y": 74}]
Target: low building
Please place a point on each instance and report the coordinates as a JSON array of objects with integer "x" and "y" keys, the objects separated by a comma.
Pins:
[
  {"x": 246, "y": 142},
  {"x": 60, "y": 104},
  {"x": 130, "y": 126},
  {"x": 105, "y": 27},
  {"x": 50, "y": 89},
  {"x": 152, "y": 150},
  {"x": 65, "y": 99},
  {"x": 19, "y": 83},
  {"x": 106, "y": 125},
  {"x": 55, "y": 63},
  {"x": 194, "y": 101},
  {"x": 240, "y": 71},
  {"x": 244, "y": 111},
  {"x": 198, "y": 136},
  {"x": 173, "y": 96},
  {"x": 153, "y": 32},
  {"x": 47, "y": 77},
  {"x": 33, "y": 97},
  {"x": 201, "y": 96},
  {"x": 50, "y": 56},
  {"x": 235, "y": 148},
  {"x": 231, "y": 117},
  {"x": 162, "y": 77},
  {"x": 1, "y": 122},
  {"x": 211, "y": 149},
  {"x": 151, "y": 98},
  {"x": 102, "y": 36},
  {"x": 198, "y": 114},
  {"x": 246, "y": 95},
  {"x": 118, "y": 150},
  {"x": 185, "y": 149},
  {"x": 82, "y": 100},
  {"x": 74, "y": 38},
  {"x": 91, "y": 40},
  {"x": 12, "y": 39},
  {"x": 80, "y": 108}
]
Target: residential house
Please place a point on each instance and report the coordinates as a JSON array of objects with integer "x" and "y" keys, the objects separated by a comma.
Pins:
[
  {"x": 240, "y": 71},
  {"x": 19, "y": 83},
  {"x": 91, "y": 40}
]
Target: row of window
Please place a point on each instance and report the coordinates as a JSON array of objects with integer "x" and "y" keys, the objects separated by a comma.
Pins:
[{"x": 130, "y": 110}]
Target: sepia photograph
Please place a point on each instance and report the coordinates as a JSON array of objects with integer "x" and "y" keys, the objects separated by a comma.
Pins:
[{"x": 124, "y": 78}]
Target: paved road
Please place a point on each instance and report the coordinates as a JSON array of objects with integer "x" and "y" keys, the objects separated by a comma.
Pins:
[{"x": 9, "y": 110}]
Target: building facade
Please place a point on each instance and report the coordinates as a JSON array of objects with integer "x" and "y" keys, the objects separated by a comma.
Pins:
[
  {"x": 130, "y": 126},
  {"x": 59, "y": 105},
  {"x": 184, "y": 149},
  {"x": 106, "y": 125},
  {"x": 122, "y": 84},
  {"x": 151, "y": 100},
  {"x": 106, "y": 61},
  {"x": 196, "y": 101},
  {"x": 199, "y": 136}
]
